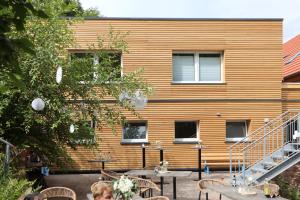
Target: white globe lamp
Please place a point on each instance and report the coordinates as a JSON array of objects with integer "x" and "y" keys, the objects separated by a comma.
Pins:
[{"x": 38, "y": 104}]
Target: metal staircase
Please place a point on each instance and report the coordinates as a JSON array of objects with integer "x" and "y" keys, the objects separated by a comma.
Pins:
[{"x": 268, "y": 151}]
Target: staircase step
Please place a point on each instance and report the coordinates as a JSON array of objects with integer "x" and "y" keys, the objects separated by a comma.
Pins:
[
  {"x": 256, "y": 169},
  {"x": 269, "y": 163},
  {"x": 290, "y": 150},
  {"x": 278, "y": 156}
]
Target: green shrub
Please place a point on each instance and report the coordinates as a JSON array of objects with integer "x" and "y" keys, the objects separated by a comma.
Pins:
[
  {"x": 287, "y": 190},
  {"x": 11, "y": 186}
]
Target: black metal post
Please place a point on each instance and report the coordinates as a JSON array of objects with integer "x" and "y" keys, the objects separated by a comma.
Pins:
[
  {"x": 103, "y": 165},
  {"x": 6, "y": 159},
  {"x": 144, "y": 157},
  {"x": 174, "y": 187},
  {"x": 161, "y": 186},
  {"x": 161, "y": 158},
  {"x": 199, "y": 163},
  {"x": 161, "y": 155}
]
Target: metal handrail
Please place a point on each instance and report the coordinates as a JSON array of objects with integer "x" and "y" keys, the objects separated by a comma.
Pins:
[
  {"x": 263, "y": 132},
  {"x": 246, "y": 139},
  {"x": 262, "y": 137},
  {"x": 6, "y": 142}
]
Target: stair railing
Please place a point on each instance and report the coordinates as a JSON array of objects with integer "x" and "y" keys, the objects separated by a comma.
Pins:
[
  {"x": 271, "y": 142},
  {"x": 235, "y": 151},
  {"x": 7, "y": 154}
]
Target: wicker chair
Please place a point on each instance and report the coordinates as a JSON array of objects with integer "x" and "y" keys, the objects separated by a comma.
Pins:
[
  {"x": 157, "y": 198},
  {"x": 202, "y": 186},
  {"x": 109, "y": 175},
  {"x": 59, "y": 192},
  {"x": 274, "y": 189},
  {"x": 145, "y": 186},
  {"x": 99, "y": 182}
]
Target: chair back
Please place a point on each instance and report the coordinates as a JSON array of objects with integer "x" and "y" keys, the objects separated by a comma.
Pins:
[
  {"x": 202, "y": 184},
  {"x": 98, "y": 183},
  {"x": 59, "y": 192},
  {"x": 157, "y": 198},
  {"x": 145, "y": 183},
  {"x": 109, "y": 175}
]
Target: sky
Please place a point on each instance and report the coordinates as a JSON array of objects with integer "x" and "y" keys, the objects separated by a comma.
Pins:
[{"x": 286, "y": 9}]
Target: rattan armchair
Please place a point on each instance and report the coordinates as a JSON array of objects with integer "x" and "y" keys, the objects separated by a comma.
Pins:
[
  {"x": 274, "y": 189},
  {"x": 59, "y": 192},
  {"x": 109, "y": 175},
  {"x": 158, "y": 198},
  {"x": 145, "y": 186},
  {"x": 202, "y": 186},
  {"x": 99, "y": 182}
]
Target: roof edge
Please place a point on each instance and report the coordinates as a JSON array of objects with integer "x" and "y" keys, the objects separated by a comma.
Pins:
[{"x": 183, "y": 19}]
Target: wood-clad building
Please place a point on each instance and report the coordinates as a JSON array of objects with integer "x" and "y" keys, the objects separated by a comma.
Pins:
[{"x": 211, "y": 77}]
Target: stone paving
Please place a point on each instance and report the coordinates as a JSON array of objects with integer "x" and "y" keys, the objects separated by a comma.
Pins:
[{"x": 186, "y": 187}]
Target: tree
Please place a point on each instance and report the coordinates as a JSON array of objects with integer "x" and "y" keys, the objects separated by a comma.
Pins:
[
  {"x": 77, "y": 99},
  {"x": 13, "y": 14}
]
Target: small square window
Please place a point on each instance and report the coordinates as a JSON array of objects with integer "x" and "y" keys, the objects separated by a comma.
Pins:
[
  {"x": 135, "y": 132},
  {"x": 186, "y": 131},
  {"x": 236, "y": 131}
]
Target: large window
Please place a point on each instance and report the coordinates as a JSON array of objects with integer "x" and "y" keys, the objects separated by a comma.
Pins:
[
  {"x": 186, "y": 131},
  {"x": 87, "y": 65},
  {"x": 135, "y": 132},
  {"x": 236, "y": 130},
  {"x": 197, "y": 67}
]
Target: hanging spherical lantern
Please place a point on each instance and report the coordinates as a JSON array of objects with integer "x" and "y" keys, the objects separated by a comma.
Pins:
[
  {"x": 72, "y": 128},
  {"x": 59, "y": 74},
  {"x": 140, "y": 100},
  {"x": 38, "y": 104}
]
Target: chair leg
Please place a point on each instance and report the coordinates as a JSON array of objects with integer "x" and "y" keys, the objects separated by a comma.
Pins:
[
  {"x": 220, "y": 196},
  {"x": 200, "y": 195},
  {"x": 206, "y": 195}
]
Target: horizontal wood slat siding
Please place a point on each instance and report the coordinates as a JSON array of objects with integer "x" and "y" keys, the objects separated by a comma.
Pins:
[
  {"x": 161, "y": 118},
  {"x": 253, "y": 70},
  {"x": 252, "y": 53}
]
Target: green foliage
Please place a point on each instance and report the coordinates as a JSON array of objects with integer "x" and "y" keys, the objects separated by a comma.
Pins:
[
  {"x": 79, "y": 98},
  {"x": 287, "y": 190},
  {"x": 11, "y": 187},
  {"x": 13, "y": 14}
]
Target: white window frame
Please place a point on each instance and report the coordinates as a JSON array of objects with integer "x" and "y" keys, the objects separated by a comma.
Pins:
[
  {"x": 197, "y": 66},
  {"x": 96, "y": 61},
  {"x": 236, "y": 139},
  {"x": 135, "y": 140},
  {"x": 188, "y": 139}
]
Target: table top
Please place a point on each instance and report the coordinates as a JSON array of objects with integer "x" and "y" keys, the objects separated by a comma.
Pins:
[
  {"x": 90, "y": 197},
  {"x": 102, "y": 160},
  {"x": 142, "y": 172},
  {"x": 232, "y": 193}
]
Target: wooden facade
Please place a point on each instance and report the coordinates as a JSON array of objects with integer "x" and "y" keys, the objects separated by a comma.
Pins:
[{"x": 251, "y": 90}]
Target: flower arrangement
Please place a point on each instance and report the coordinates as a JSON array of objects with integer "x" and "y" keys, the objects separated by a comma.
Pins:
[
  {"x": 164, "y": 166},
  {"x": 124, "y": 188}
]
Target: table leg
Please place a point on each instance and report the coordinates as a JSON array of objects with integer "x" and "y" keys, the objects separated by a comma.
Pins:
[
  {"x": 144, "y": 157},
  {"x": 103, "y": 165},
  {"x": 174, "y": 187},
  {"x": 199, "y": 164},
  {"x": 161, "y": 186}
]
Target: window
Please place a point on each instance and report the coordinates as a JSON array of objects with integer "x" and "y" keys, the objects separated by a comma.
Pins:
[
  {"x": 108, "y": 62},
  {"x": 85, "y": 132},
  {"x": 197, "y": 68},
  {"x": 186, "y": 131},
  {"x": 236, "y": 131},
  {"x": 135, "y": 132}
]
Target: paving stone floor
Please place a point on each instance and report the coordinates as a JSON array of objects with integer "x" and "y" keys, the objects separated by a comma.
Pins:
[{"x": 186, "y": 187}]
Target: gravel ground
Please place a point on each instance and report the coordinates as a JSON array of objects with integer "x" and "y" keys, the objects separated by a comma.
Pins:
[{"x": 186, "y": 187}]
